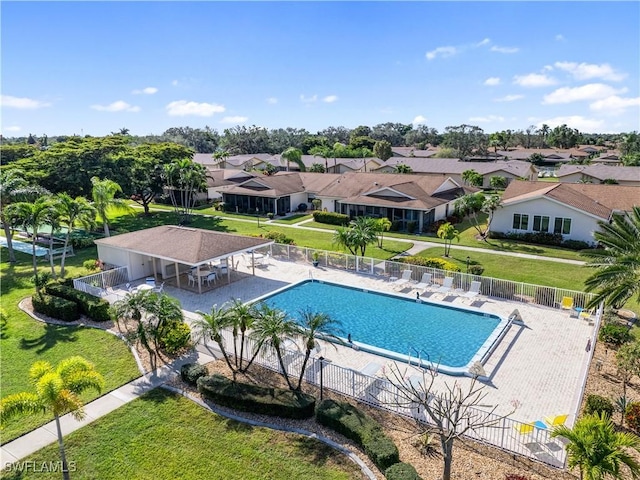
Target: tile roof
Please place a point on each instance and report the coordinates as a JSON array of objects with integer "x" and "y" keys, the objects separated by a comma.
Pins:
[
  {"x": 599, "y": 200},
  {"x": 185, "y": 245}
]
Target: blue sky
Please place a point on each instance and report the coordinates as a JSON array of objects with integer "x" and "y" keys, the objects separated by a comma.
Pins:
[{"x": 95, "y": 67}]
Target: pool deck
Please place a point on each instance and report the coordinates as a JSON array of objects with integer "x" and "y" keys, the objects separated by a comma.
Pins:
[{"x": 539, "y": 364}]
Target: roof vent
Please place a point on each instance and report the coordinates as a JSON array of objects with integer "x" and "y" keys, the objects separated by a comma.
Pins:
[{"x": 375, "y": 183}]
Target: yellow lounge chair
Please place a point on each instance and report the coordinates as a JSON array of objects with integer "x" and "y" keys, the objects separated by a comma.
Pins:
[
  {"x": 524, "y": 428},
  {"x": 567, "y": 303},
  {"x": 556, "y": 421}
]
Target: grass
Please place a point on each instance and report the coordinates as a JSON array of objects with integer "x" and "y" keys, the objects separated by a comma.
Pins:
[
  {"x": 24, "y": 341},
  {"x": 163, "y": 435},
  {"x": 296, "y": 218}
]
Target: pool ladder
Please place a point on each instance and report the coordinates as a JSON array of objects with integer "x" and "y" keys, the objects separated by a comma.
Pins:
[{"x": 418, "y": 356}]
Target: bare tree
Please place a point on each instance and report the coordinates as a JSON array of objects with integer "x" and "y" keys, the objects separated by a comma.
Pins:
[{"x": 457, "y": 410}]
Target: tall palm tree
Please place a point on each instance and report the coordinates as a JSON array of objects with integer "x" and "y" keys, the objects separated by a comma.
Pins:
[
  {"x": 184, "y": 179},
  {"x": 617, "y": 278},
  {"x": 57, "y": 390},
  {"x": 212, "y": 325},
  {"x": 52, "y": 218},
  {"x": 598, "y": 450},
  {"x": 14, "y": 188},
  {"x": 30, "y": 216},
  {"x": 316, "y": 325},
  {"x": 134, "y": 307},
  {"x": 74, "y": 212},
  {"x": 294, "y": 155},
  {"x": 243, "y": 316},
  {"x": 103, "y": 194},
  {"x": 271, "y": 328}
]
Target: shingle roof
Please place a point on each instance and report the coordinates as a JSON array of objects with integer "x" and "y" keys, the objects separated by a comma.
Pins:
[
  {"x": 454, "y": 166},
  {"x": 274, "y": 185},
  {"x": 599, "y": 200},
  {"x": 185, "y": 245},
  {"x": 602, "y": 172}
]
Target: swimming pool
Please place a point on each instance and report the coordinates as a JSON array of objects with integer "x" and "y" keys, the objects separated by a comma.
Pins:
[
  {"x": 24, "y": 247},
  {"x": 397, "y": 327}
]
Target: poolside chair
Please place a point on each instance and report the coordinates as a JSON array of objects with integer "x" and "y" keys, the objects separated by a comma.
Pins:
[
  {"x": 446, "y": 285},
  {"x": 406, "y": 278},
  {"x": 556, "y": 421},
  {"x": 524, "y": 428},
  {"x": 473, "y": 292},
  {"x": 158, "y": 288},
  {"x": 192, "y": 279},
  {"x": 566, "y": 303},
  {"x": 424, "y": 283}
]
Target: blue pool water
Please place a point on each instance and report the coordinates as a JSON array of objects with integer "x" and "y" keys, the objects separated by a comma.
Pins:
[
  {"x": 395, "y": 326},
  {"x": 24, "y": 247}
]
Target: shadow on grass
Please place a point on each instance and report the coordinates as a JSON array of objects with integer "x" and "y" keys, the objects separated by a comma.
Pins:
[
  {"x": 235, "y": 426},
  {"x": 3, "y": 327},
  {"x": 53, "y": 334},
  {"x": 313, "y": 451},
  {"x": 140, "y": 221}
]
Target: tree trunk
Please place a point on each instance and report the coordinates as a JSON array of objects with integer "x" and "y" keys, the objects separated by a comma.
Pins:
[
  {"x": 284, "y": 370},
  {"x": 447, "y": 456},
  {"x": 51, "y": 263},
  {"x": 304, "y": 367},
  {"x": 65, "y": 467},
  {"x": 7, "y": 234},
  {"x": 64, "y": 253},
  {"x": 106, "y": 229},
  {"x": 34, "y": 260}
]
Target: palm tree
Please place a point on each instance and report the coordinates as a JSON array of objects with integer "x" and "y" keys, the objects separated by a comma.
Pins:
[
  {"x": 243, "y": 316},
  {"x": 598, "y": 450},
  {"x": 272, "y": 326},
  {"x": 30, "y": 216},
  {"x": 382, "y": 225},
  {"x": 104, "y": 201},
  {"x": 448, "y": 233},
  {"x": 361, "y": 232},
  {"x": 212, "y": 325},
  {"x": 58, "y": 391},
  {"x": 73, "y": 212},
  {"x": 294, "y": 155},
  {"x": 184, "y": 178},
  {"x": 316, "y": 324},
  {"x": 52, "y": 218},
  {"x": 162, "y": 312},
  {"x": 14, "y": 188},
  {"x": 618, "y": 276},
  {"x": 134, "y": 307}
]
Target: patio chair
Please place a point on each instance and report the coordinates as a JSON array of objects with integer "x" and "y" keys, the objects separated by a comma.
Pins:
[
  {"x": 192, "y": 279},
  {"x": 211, "y": 278},
  {"x": 159, "y": 288},
  {"x": 566, "y": 303},
  {"x": 447, "y": 284},
  {"x": 406, "y": 278},
  {"x": 524, "y": 428},
  {"x": 424, "y": 283},
  {"x": 474, "y": 290},
  {"x": 556, "y": 421}
]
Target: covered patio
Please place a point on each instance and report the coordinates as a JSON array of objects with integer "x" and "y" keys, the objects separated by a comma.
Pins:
[{"x": 188, "y": 258}]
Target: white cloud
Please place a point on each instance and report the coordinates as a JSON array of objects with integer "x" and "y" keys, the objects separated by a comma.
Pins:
[
  {"x": 419, "y": 120},
  {"x": 13, "y": 128},
  {"x": 559, "y": 37},
  {"x": 22, "y": 103},
  {"x": 495, "y": 48},
  {"x": 586, "y": 71},
  {"x": 443, "y": 52},
  {"x": 482, "y": 43},
  {"x": 117, "y": 106},
  {"x": 174, "y": 83},
  {"x": 487, "y": 119},
  {"x": 272, "y": 100},
  {"x": 508, "y": 98},
  {"x": 533, "y": 80},
  {"x": 181, "y": 108},
  {"x": 330, "y": 99},
  {"x": 312, "y": 99},
  {"x": 145, "y": 91},
  {"x": 591, "y": 91},
  {"x": 614, "y": 105},
  {"x": 234, "y": 119},
  {"x": 491, "y": 81},
  {"x": 574, "y": 121}
]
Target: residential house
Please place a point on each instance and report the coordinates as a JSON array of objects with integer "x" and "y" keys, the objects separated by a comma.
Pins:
[
  {"x": 599, "y": 173},
  {"x": 570, "y": 209}
]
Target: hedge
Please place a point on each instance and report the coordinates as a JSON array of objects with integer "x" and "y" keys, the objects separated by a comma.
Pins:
[
  {"x": 430, "y": 262},
  {"x": 354, "y": 424},
  {"x": 191, "y": 372},
  {"x": 331, "y": 218},
  {"x": 401, "y": 471},
  {"x": 55, "y": 307},
  {"x": 93, "y": 307},
  {"x": 253, "y": 398}
]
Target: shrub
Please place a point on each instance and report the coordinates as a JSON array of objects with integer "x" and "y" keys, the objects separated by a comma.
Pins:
[
  {"x": 632, "y": 416},
  {"x": 175, "y": 337},
  {"x": 476, "y": 269},
  {"x": 431, "y": 262},
  {"x": 253, "y": 398},
  {"x": 191, "y": 372},
  {"x": 330, "y": 218},
  {"x": 354, "y": 424},
  {"x": 412, "y": 226},
  {"x": 401, "y": 471},
  {"x": 302, "y": 207},
  {"x": 598, "y": 404},
  {"x": 433, "y": 228},
  {"x": 81, "y": 239},
  {"x": 279, "y": 237},
  {"x": 396, "y": 225},
  {"x": 91, "y": 265},
  {"x": 93, "y": 307},
  {"x": 270, "y": 215},
  {"x": 575, "y": 244},
  {"x": 615, "y": 334},
  {"x": 55, "y": 307}
]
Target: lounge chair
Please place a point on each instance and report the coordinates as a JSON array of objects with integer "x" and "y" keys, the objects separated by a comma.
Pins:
[
  {"x": 159, "y": 288},
  {"x": 424, "y": 283},
  {"x": 474, "y": 290},
  {"x": 406, "y": 278},
  {"x": 566, "y": 303},
  {"x": 524, "y": 428},
  {"x": 556, "y": 421},
  {"x": 446, "y": 285}
]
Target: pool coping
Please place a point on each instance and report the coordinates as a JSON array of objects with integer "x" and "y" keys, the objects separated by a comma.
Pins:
[{"x": 473, "y": 368}]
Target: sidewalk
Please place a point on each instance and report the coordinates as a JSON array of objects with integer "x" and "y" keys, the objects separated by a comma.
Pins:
[{"x": 33, "y": 441}]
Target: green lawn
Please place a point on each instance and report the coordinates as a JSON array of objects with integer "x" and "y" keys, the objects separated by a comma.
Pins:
[
  {"x": 23, "y": 340},
  {"x": 296, "y": 218},
  {"x": 163, "y": 435}
]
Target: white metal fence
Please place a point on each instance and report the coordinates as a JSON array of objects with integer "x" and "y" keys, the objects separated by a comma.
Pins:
[
  {"x": 490, "y": 287},
  {"x": 382, "y": 392},
  {"x": 98, "y": 284}
]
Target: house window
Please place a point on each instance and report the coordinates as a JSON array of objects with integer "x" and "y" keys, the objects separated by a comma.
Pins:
[
  {"x": 562, "y": 225},
  {"x": 540, "y": 223},
  {"x": 520, "y": 221}
]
